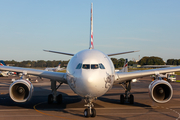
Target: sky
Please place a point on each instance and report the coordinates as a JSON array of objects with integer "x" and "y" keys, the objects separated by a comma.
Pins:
[{"x": 29, "y": 27}]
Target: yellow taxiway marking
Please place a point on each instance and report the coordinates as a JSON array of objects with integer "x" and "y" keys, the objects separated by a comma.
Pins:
[{"x": 50, "y": 114}]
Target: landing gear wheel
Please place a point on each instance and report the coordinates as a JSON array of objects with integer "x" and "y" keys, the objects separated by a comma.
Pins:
[
  {"x": 87, "y": 112},
  {"x": 59, "y": 99},
  {"x": 93, "y": 112},
  {"x": 131, "y": 99},
  {"x": 50, "y": 99},
  {"x": 122, "y": 99}
]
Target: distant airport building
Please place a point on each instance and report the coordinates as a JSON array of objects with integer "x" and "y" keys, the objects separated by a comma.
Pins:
[{"x": 136, "y": 66}]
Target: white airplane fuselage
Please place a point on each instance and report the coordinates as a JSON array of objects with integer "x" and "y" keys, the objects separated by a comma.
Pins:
[{"x": 90, "y": 82}]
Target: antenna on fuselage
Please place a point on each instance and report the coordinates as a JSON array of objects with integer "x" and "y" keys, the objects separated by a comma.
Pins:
[{"x": 91, "y": 31}]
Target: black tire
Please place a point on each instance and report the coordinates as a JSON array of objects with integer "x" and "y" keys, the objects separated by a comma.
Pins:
[
  {"x": 93, "y": 112},
  {"x": 50, "y": 99},
  {"x": 131, "y": 99},
  {"x": 122, "y": 99},
  {"x": 59, "y": 99},
  {"x": 86, "y": 113}
]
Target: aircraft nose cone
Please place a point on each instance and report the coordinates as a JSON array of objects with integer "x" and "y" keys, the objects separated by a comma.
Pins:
[
  {"x": 90, "y": 79},
  {"x": 91, "y": 84}
]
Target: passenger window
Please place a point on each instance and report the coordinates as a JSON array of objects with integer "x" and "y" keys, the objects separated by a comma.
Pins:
[
  {"x": 79, "y": 66},
  {"x": 86, "y": 66},
  {"x": 94, "y": 66},
  {"x": 101, "y": 66}
]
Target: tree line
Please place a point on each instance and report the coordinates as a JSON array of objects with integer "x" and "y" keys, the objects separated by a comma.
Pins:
[
  {"x": 117, "y": 62},
  {"x": 158, "y": 61},
  {"x": 173, "y": 62},
  {"x": 38, "y": 63},
  {"x": 146, "y": 61},
  {"x": 151, "y": 61},
  {"x": 120, "y": 62}
]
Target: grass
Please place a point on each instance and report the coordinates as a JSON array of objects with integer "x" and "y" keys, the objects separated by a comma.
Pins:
[
  {"x": 64, "y": 71},
  {"x": 177, "y": 73},
  {"x": 138, "y": 68},
  {"x": 177, "y": 80}
]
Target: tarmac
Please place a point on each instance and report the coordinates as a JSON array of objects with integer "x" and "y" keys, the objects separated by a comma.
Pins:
[{"x": 107, "y": 107}]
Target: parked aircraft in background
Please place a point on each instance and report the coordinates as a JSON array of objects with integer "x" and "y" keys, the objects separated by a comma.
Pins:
[
  {"x": 170, "y": 77},
  {"x": 55, "y": 69},
  {"x": 3, "y": 73},
  {"x": 90, "y": 73},
  {"x": 125, "y": 67}
]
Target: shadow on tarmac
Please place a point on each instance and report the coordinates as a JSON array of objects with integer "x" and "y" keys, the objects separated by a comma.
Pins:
[
  {"x": 7, "y": 103},
  {"x": 69, "y": 101}
]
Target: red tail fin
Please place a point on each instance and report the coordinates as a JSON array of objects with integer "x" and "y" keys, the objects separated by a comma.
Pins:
[{"x": 91, "y": 34}]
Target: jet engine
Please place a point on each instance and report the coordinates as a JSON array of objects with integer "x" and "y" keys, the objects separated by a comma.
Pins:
[
  {"x": 21, "y": 90},
  {"x": 160, "y": 91}
]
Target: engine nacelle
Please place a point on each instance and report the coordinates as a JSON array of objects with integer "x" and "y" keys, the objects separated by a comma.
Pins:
[
  {"x": 21, "y": 90},
  {"x": 160, "y": 91}
]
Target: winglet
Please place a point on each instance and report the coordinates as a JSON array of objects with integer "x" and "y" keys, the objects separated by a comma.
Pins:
[{"x": 91, "y": 32}]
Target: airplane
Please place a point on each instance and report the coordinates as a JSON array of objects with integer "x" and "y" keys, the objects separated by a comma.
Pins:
[
  {"x": 58, "y": 68},
  {"x": 125, "y": 67},
  {"x": 90, "y": 74},
  {"x": 3, "y": 73},
  {"x": 7, "y": 73}
]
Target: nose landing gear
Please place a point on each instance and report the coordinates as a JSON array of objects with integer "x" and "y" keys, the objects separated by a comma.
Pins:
[{"x": 89, "y": 111}]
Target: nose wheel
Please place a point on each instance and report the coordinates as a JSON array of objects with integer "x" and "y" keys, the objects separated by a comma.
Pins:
[{"x": 89, "y": 111}]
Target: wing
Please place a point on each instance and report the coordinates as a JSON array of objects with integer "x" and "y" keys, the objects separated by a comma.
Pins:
[
  {"x": 58, "y": 76},
  {"x": 121, "y": 53},
  {"x": 125, "y": 76},
  {"x": 60, "y": 52}
]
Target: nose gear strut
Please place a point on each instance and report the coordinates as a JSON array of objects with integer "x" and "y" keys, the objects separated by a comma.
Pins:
[{"x": 89, "y": 111}]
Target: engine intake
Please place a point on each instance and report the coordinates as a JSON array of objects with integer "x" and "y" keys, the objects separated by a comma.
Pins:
[
  {"x": 160, "y": 91},
  {"x": 21, "y": 90}
]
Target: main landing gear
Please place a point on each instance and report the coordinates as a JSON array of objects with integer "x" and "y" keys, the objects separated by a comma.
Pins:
[
  {"x": 52, "y": 97},
  {"x": 127, "y": 97},
  {"x": 89, "y": 111}
]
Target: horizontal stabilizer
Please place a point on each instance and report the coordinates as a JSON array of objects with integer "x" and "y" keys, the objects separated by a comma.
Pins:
[
  {"x": 59, "y": 52},
  {"x": 122, "y": 53}
]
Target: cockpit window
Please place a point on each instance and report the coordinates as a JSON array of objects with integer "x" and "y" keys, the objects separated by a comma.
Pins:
[
  {"x": 101, "y": 66},
  {"x": 86, "y": 66},
  {"x": 79, "y": 66},
  {"x": 94, "y": 66}
]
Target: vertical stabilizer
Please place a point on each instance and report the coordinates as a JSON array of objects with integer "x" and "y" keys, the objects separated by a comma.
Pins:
[
  {"x": 125, "y": 67},
  {"x": 91, "y": 31},
  {"x": 59, "y": 66},
  {"x": 2, "y": 63}
]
